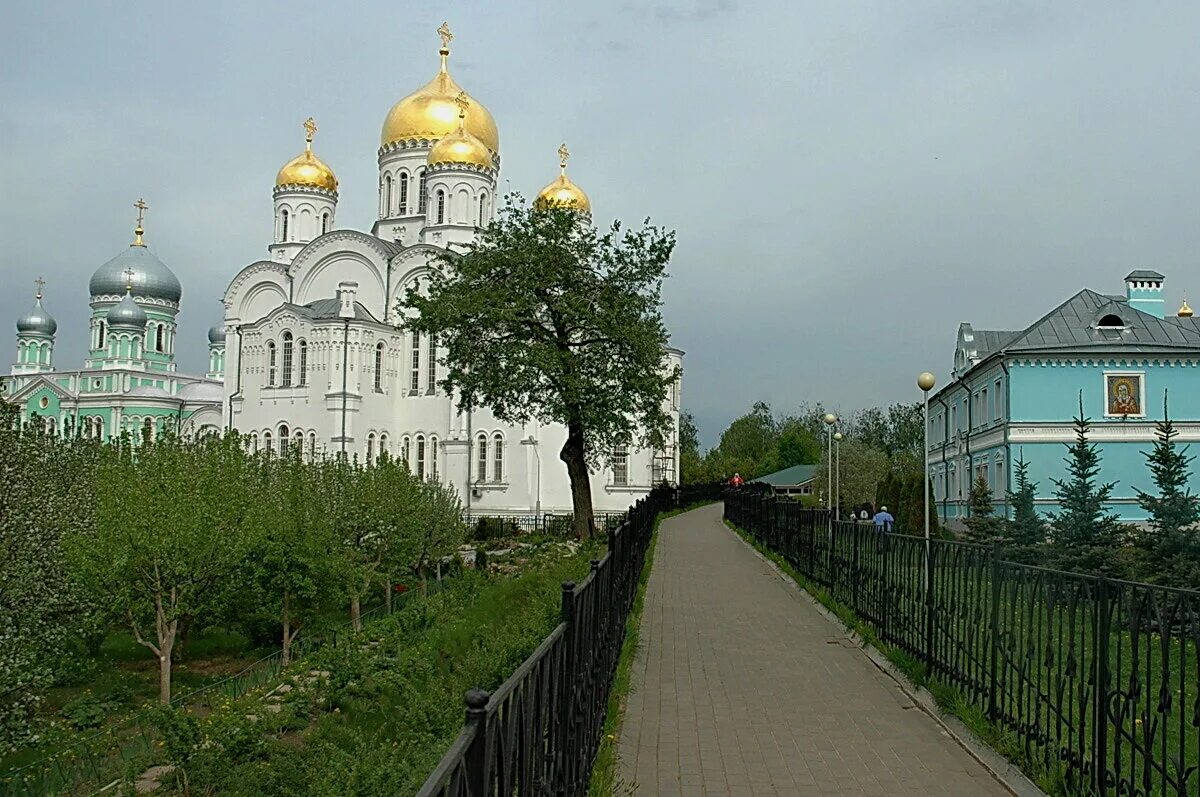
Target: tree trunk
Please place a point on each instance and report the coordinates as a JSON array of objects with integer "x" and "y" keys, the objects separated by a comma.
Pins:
[
  {"x": 164, "y": 673},
  {"x": 573, "y": 457},
  {"x": 355, "y": 614},
  {"x": 285, "y": 658},
  {"x": 387, "y": 594}
]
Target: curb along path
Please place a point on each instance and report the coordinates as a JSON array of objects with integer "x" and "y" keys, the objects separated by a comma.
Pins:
[{"x": 741, "y": 687}]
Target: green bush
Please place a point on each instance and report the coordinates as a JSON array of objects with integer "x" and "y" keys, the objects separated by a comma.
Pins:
[{"x": 86, "y": 711}]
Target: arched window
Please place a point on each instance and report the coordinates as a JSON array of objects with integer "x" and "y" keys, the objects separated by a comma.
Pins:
[
  {"x": 287, "y": 359},
  {"x": 302, "y": 375},
  {"x": 271, "y": 363},
  {"x": 387, "y": 195},
  {"x": 1111, "y": 320},
  {"x": 283, "y": 225},
  {"x": 383, "y": 443},
  {"x": 298, "y": 442},
  {"x": 481, "y": 458},
  {"x": 283, "y": 439},
  {"x": 403, "y": 193},
  {"x": 371, "y": 448},
  {"x": 441, "y": 207},
  {"x": 254, "y": 442},
  {"x": 404, "y": 450},
  {"x": 414, "y": 384},
  {"x": 324, "y": 222},
  {"x": 424, "y": 193},
  {"x": 267, "y": 443},
  {"x": 100, "y": 341},
  {"x": 620, "y": 464},
  {"x": 497, "y": 458},
  {"x": 420, "y": 456},
  {"x": 147, "y": 428},
  {"x": 379, "y": 367},
  {"x": 432, "y": 365},
  {"x": 160, "y": 338},
  {"x": 433, "y": 458},
  {"x": 312, "y": 446},
  {"x": 482, "y": 207}
]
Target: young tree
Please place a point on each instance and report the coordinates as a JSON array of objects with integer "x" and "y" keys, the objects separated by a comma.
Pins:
[
  {"x": 863, "y": 470},
  {"x": 1027, "y": 527},
  {"x": 542, "y": 316},
  {"x": 171, "y": 527},
  {"x": 982, "y": 525},
  {"x": 691, "y": 464},
  {"x": 1175, "y": 511},
  {"x": 1083, "y": 530}
]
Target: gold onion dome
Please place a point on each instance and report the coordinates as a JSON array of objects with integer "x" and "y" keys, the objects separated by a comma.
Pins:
[
  {"x": 430, "y": 112},
  {"x": 306, "y": 168},
  {"x": 1185, "y": 311},
  {"x": 460, "y": 147},
  {"x": 563, "y": 192}
]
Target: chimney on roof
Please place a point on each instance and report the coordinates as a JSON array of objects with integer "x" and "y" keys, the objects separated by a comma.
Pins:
[
  {"x": 347, "y": 291},
  {"x": 1144, "y": 289}
]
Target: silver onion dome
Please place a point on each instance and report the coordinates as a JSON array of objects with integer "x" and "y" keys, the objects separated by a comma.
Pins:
[
  {"x": 37, "y": 321},
  {"x": 216, "y": 333},
  {"x": 127, "y": 315},
  {"x": 151, "y": 277}
]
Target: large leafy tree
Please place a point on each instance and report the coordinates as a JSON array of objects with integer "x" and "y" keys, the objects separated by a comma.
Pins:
[{"x": 544, "y": 317}]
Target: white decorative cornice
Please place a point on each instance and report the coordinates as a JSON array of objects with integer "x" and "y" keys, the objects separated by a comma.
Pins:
[
  {"x": 104, "y": 299},
  {"x": 243, "y": 276},
  {"x": 441, "y": 168},
  {"x": 1101, "y": 432},
  {"x": 297, "y": 188},
  {"x": 319, "y": 247}
]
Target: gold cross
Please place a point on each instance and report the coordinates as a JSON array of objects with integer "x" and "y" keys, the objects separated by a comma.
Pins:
[
  {"x": 310, "y": 129},
  {"x": 41, "y": 283},
  {"x": 142, "y": 207},
  {"x": 444, "y": 32},
  {"x": 563, "y": 155},
  {"x": 129, "y": 275},
  {"x": 463, "y": 104}
]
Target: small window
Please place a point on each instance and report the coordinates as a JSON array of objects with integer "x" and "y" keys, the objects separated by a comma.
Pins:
[
  {"x": 415, "y": 382},
  {"x": 423, "y": 193},
  {"x": 371, "y": 448},
  {"x": 1111, "y": 321},
  {"x": 433, "y": 458},
  {"x": 324, "y": 222},
  {"x": 620, "y": 464},
  {"x": 254, "y": 442},
  {"x": 267, "y": 443},
  {"x": 482, "y": 207},
  {"x": 403, "y": 193},
  {"x": 379, "y": 368},
  {"x": 420, "y": 456},
  {"x": 404, "y": 450},
  {"x": 383, "y": 443},
  {"x": 387, "y": 195},
  {"x": 283, "y": 439},
  {"x": 287, "y": 359},
  {"x": 283, "y": 225},
  {"x": 441, "y": 207},
  {"x": 160, "y": 339},
  {"x": 271, "y": 363},
  {"x": 481, "y": 458},
  {"x": 312, "y": 445},
  {"x": 431, "y": 363},
  {"x": 302, "y": 375},
  {"x": 497, "y": 458}
]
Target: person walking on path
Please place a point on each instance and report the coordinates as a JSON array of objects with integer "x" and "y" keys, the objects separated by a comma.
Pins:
[
  {"x": 884, "y": 520},
  {"x": 737, "y": 480}
]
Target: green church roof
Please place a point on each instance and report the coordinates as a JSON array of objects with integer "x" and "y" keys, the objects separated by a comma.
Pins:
[{"x": 790, "y": 477}]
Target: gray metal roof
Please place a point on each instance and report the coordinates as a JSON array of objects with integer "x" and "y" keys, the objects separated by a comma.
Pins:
[
  {"x": 126, "y": 314},
  {"x": 323, "y": 309},
  {"x": 151, "y": 277},
  {"x": 990, "y": 340},
  {"x": 1072, "y": 325},
  {"x": 790, "y": 477},
  {"x": 216, "y": 333},
  {"x": 37, "y": 321},
  {"x": 1144, "y": 274}
]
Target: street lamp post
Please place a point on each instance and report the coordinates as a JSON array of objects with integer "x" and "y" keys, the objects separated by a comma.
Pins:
[
  {"x": 926, "y": 381},
  {"x": 830, "y": 419},
  {"x": 837, "y": 482}
]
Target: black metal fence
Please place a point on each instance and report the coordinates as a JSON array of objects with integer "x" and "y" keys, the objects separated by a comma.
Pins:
[
  {"x": 538, "y": 733},
  {"x": 1096, "y": 678}
]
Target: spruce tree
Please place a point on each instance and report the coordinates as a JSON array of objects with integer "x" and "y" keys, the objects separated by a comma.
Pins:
[
  {"x": 1082, "y": 528},
  {"x": 1175, "y": 510},
  {"x": 1026, "y": 527},
  {"x": 982, "y": 526}
]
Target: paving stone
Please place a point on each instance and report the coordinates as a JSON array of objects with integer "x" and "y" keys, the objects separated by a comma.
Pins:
[{"x": 741, "y": 687}]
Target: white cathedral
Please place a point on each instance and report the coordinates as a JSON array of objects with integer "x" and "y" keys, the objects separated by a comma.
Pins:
[{"x": 310, "y": 353}]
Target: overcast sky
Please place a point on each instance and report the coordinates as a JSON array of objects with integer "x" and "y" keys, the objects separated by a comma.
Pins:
[{"x": 848, "y": 180}]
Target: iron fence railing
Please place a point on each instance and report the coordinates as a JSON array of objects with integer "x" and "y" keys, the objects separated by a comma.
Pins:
[
  {"x": 1097, "y": 678},
  {"x": 539, "y": 731}
]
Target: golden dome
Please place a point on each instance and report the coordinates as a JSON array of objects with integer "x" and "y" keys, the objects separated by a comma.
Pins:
[
  {"x": 1185, "y": 311},
  {"x": 562, "y": 191},
  {"x": 460, "y": 147},
  {"x": 306, "y": 168},
  {"x": 430, "y": 111}
]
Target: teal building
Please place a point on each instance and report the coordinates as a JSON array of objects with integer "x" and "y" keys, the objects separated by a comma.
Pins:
[
  {"x": 1013, "y": 394},
  {"x": 129, "y": 381}
]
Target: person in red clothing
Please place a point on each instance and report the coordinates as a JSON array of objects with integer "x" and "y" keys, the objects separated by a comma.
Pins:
[{"x": 737, "y": 480}]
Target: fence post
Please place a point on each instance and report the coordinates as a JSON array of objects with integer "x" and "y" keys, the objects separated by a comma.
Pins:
[
  {"x": 566, "y": 747},
  {"x": 994, "y": 625},
  {"x": 476, "y": 758},
  {"x": 1100, "y": 716}
]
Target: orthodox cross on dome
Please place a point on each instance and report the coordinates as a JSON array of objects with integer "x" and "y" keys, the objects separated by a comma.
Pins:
[
  {"x": 447, "y": 36},
  {"x": 310, "y": 130},
  {"x": 142, "y": 207},
  {"x": 129, "y": 275},
  {"x": 563, "y": 155},
  {"x": 41, "y": 283},
  {"x": 463, "y": 104}
]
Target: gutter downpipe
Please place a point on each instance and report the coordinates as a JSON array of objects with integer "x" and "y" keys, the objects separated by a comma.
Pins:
[
  {"x": 1007, "y": 452},
  {"x": 970, "y": 462},
  {"x": 345, "y": 363}
]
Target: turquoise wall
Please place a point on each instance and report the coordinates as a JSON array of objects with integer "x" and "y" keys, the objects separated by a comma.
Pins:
[{"x": 1044, "y": 392}]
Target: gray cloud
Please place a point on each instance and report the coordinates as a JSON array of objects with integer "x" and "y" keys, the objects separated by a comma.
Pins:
[{"x": 848, "y": 181}]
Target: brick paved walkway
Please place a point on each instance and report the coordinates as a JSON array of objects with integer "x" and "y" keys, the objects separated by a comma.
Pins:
[{"x": 741, "y": 687}]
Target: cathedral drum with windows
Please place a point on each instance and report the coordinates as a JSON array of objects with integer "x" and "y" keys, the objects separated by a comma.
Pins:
[{"x": 313, "y": 354}]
